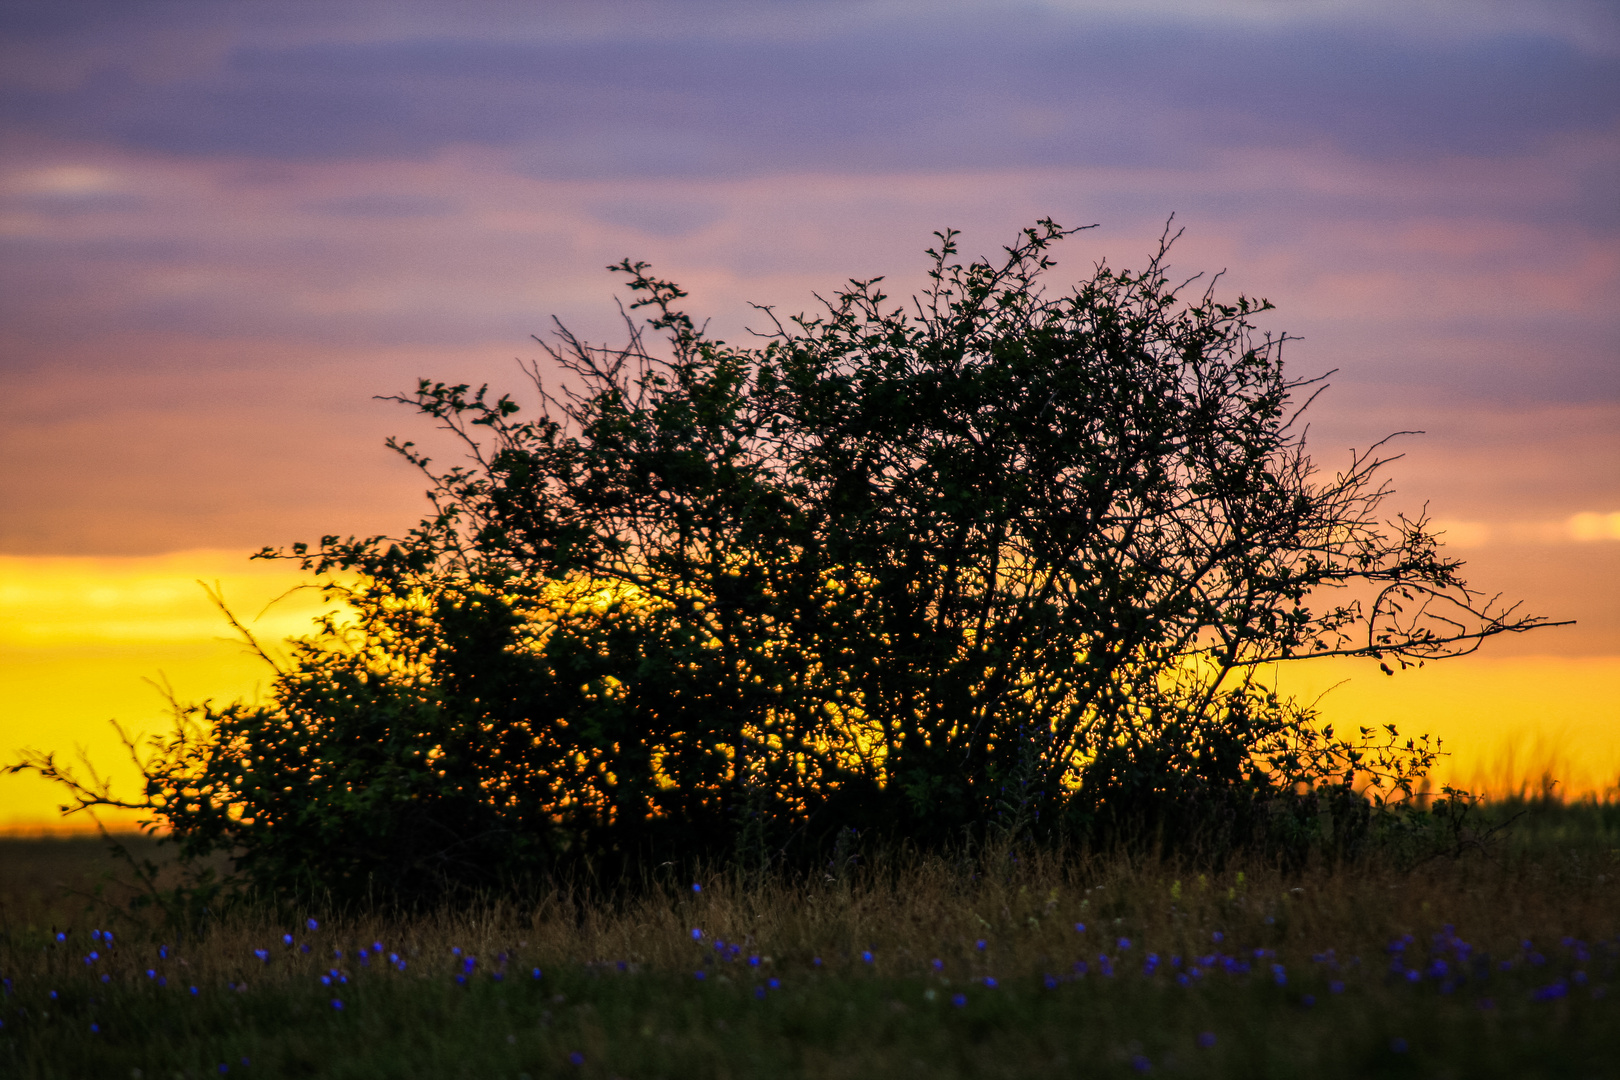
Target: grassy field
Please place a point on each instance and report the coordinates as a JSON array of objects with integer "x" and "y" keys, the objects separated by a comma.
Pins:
[{"x": 1497, "y": 963}]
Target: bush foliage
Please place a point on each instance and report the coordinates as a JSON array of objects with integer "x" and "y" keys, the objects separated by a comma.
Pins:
[{"x": 997, "y": 564}]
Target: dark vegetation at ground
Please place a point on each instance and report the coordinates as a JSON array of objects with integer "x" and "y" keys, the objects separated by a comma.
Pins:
[{"x": 1499, "y": 960}]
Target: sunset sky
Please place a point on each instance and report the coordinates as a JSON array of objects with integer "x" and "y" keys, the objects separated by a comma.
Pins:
[{"x": 227, "y": 225}]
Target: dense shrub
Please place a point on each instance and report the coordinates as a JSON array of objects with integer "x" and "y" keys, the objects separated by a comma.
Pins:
[{"x": 996, "y": 564}]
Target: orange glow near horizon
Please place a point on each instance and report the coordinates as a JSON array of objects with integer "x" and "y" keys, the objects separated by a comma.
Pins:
[{"x": 82, "y": 638}]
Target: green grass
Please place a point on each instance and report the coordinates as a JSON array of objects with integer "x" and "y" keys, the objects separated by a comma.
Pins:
[{"x": 620, "y": 986}]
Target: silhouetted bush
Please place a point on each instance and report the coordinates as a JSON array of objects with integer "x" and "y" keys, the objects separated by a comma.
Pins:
[{"x": 994, "y": 565}]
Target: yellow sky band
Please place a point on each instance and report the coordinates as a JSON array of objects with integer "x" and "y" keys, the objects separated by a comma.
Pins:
[{"x": 80, "y": 637}]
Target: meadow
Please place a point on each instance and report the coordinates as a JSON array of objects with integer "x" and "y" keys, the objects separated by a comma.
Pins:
[{"x": 1501, "y": 959}]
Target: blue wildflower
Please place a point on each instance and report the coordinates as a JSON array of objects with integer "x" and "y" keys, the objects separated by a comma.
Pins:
[
  {"x": 696, "y": 887},
  {"x": 311, "y": 924},
  {"x": 701, "y": 974},
  {"x": 1079, "y": 927},
  {"x": 1206, "y": 1040},
  {"x": 959, "y": 1000},
  {"x": 1141, "y": 1064},
  {"x": 867, "y": 956},
  {"x": 759, "y": 992},
  {"x": 576, "y": 1058},
  {"x": 939, "y": 965},
  {"x": 535, "y": 973},
  {"x": 337, "y": 1003},
  {"x": 696, "y": 934},
  {"x": 980, "y": 944}
]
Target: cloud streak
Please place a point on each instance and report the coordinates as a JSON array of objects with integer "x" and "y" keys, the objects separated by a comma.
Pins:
[{"x": 969, "y": 88}]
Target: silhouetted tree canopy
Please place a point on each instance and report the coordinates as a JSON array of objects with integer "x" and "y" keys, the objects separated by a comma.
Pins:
[{"x": 995, "y": 562}]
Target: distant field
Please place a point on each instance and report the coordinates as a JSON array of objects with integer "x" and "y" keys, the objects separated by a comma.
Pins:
[{"x": 1503, "y": 963}]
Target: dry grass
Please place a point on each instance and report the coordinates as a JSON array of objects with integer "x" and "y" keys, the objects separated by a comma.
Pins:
[{"x": 620, "y": 983}]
